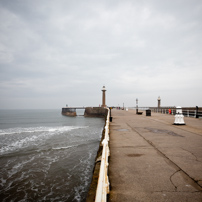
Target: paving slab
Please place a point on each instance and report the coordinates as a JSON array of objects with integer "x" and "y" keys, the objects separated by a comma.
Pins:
[{"x": 153, "y": 160}]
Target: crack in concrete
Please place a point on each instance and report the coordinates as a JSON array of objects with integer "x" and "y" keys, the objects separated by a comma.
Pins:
[
  {"x": 160, "y": 131},
  {"x": 191, "y": 154},
  {"x": 166, "y": 191},
  {"x": 167, "y": 123},
  {"x": 171, "y": 179},
  {"x": 151, "y": 143}
]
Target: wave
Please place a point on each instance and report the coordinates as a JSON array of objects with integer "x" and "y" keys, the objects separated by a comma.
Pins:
[
  {"x": 38, "y": 129},
  {"x": 81, "y": 143},
  {"x": 64, "y": 147},
  {"x": 16, "y": 139}
]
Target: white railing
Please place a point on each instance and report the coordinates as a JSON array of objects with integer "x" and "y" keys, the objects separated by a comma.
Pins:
[
  {"x": 103, "y": 180},
  {"x": 186, "y": 112},
  {"x": 192, "y": 113}
]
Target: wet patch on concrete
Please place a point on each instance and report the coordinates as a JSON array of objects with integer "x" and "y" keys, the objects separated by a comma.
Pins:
[
  {"x": 128, "y": 147},
  {"x": 160, "y": 131},
  {"x": 122, "y": 130},
  {"x": 143, "y": 146},
  {"x": 115, "y": 125},
  {"x": 134, "y": 155}
]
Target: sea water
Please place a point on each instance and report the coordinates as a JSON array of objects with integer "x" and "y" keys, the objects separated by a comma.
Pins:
[{"x": 45, "y": 156}]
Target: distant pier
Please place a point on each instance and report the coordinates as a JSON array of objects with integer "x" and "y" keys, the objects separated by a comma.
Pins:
[
  {"x": 89, "y": 111},
  {"x": 69, "y": 111}
]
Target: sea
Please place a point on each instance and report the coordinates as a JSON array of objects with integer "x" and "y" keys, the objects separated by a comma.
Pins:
[{"x": 45, "y": 156}]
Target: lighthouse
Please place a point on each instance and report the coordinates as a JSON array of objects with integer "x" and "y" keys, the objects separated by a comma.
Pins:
[
  {"x": 159, "y": 102},
  {"x": 103, "y": 97}
]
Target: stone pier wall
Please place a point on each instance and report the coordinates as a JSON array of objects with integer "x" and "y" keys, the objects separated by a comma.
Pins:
[
  {"x": 95, "y": 112},
  {"x": 69, "y": 111}
]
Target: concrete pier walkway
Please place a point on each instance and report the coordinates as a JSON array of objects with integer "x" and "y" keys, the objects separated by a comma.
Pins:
[{"x": 153, "y": 160}]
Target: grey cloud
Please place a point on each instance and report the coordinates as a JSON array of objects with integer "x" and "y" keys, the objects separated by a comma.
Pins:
[{"x": 69, "y": 49}]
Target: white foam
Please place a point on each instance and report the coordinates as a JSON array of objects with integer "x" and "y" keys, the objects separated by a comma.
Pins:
[
  {"x": 38, "y": 129},
  {"x": 16, "y": 168},
  {"x": 20, "y": 141},
  {"x": 67, "y": 147}
]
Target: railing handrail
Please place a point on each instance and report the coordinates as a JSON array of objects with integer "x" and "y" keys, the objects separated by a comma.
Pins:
[
  {"x": 186, "y": 112},
  {"x": 103, "y": 180}
]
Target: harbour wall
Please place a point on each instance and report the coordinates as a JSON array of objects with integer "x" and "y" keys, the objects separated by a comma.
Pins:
[
  {"x": 67, "y": 111},
  {"x": 93, "y": 186},
  {"x": 95, "y": 112},
  {"x": 98, "y": 168},
  {"x": 89, "y": 111}
]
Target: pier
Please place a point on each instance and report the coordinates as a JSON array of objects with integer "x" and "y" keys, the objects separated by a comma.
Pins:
[
  {"x": 89, "y": 111},
  {"x": 153, "y": 160}
]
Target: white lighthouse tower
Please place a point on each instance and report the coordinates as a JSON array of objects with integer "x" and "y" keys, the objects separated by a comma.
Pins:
[
  {"x": 103, "y": 96},
  {"x": 159, "y": 102}
]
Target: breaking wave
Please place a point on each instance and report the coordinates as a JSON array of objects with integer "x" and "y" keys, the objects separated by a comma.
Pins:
[
  {"x": 38, "y": 129},
  {"x": 20, "y": 138}
]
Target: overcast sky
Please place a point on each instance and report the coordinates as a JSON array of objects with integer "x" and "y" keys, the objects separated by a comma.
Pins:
[{"x": 54, "y": 53}]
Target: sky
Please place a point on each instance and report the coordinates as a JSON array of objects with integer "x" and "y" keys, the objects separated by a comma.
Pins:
[{"x": 54, "y": 53}]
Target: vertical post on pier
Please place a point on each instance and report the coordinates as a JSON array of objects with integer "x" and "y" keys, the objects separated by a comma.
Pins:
[
  {"x": 103, "y": 96},
  {"x": 197, "y": 112},
  {"x": 110, "y": 118},
  {"x": 159, "y": 102},
  {"x": 136, "y": 106}
]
